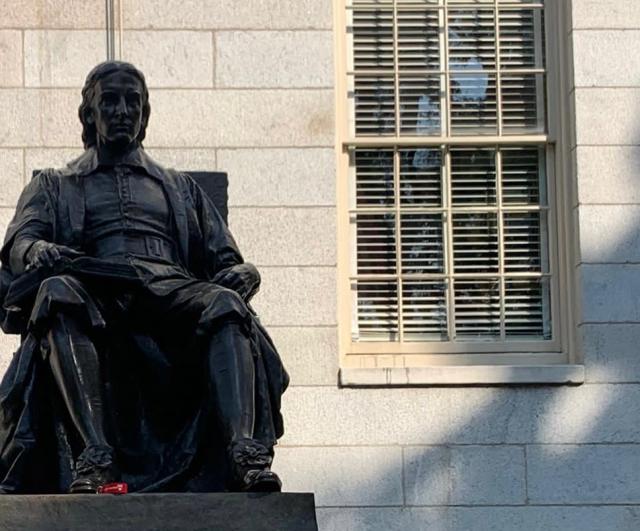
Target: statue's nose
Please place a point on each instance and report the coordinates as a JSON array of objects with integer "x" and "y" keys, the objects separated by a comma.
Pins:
[{"x": 121, "y": 108}]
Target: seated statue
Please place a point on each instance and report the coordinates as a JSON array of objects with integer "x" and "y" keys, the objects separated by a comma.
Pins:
[{"x": 141, "y": 361}]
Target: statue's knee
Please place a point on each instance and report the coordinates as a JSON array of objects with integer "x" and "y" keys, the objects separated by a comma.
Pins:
[
  {"x": 231, "y": 298},
  {"x": 221, "y": 309},
  {"x": 63, "y": 294},
  {"x": 231, "y": 325}
]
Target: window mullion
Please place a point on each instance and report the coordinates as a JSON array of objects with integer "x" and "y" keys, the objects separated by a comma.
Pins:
[
  {"x": 551, "y": 188},
  {"x": 447, "y": 76},
  {"x": 501, "y": 243},
  {"x": 396, "y": 173},
  {"x": 353, "y": 237},
  {"x": 424, "y": 141},
  {"x": 539, "y": 63},
  {"x": 498, "y": 162},
  {"x": 459, "y": 209},
  {"x": 396, "y": 68},
  {"x": 448, "y": 221},
  {"x": 417, "y": 72},
  {"x": 496, "y": 16},
  {"x": 398, "y": 227},
  {"x": 351, "y": 84},
  {"x": 446, "y": 173}
]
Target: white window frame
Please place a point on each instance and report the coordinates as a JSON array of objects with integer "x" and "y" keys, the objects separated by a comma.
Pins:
[{"x": 433, "y": 363}]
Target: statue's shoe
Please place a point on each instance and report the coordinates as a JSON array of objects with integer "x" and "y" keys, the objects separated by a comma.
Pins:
[
  {"x": 94, "y": 469},
  {"x": 91, "y": 484},
  {"x": 261, "y": 481},
  {"x": 250, "y": 465}
]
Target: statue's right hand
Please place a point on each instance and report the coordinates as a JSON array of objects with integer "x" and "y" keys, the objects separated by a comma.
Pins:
[{"x": 47, "y": 253}]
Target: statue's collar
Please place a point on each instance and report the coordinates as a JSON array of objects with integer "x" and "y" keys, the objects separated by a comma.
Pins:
[{"x": 89, "y": 161}]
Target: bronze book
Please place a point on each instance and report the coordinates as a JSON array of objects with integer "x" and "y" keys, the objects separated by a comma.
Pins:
[{"x": 28, "y": 283}]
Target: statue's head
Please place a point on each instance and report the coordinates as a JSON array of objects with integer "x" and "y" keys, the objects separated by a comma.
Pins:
[{"x": 115, "y": 105}]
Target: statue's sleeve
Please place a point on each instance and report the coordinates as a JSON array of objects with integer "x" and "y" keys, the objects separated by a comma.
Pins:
[
  {"x": 33, "y": 220},
  {"x": 220, "y": 250}
]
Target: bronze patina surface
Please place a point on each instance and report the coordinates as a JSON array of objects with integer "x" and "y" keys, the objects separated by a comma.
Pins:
[{"x": 141, "y": 360}]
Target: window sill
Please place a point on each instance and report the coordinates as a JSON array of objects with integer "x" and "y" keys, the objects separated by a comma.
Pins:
[{"x": 463, "y": 375}]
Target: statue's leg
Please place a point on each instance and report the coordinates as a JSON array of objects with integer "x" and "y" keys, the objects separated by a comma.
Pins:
[
  {"x": 231, "y": 368},
  {"x": 232, "y": 377},
  {"x": 221, "y": 316},
  {"x": 76, "y": 369},
  {"x": 75, "y": 366}
]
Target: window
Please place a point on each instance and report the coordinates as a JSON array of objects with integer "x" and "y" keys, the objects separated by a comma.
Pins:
[{"x": 450, "y": 212}]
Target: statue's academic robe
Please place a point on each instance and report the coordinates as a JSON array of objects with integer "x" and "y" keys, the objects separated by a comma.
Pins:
[{"x": 164, "y": 428}]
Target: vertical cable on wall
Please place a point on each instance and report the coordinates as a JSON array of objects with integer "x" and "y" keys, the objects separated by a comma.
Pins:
[
  {"x": 110, "y": 25},
  {"x": 120, "y": 29},
  {"x": 113, "y": 10}
]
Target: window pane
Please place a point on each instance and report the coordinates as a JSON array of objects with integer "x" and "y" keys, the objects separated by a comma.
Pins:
[
  {"x": 475, "y": 243},
  {"x": 473, "y": 104},
  {"x": 523, "y": 103},
  {"x": 374, "y": 105},
  {"x": 377, "y": 311},
  {"x": 418, "y": 39},
  {"x": 372, "y": 38},
  {"x": 376, "y": 243},
  {"x": 472, "y": 43},
  {"x": 527, "y": 309},
  {"x": 523, "y": 245},
  {"x": 420, "y": 105},
  {"x": 477, "y": 309},
  {"x": 523, "y": 176},
  {"x": 374, "y": 177},
  {"x": 424, "y": 311},
  {"x": 521, "y": 46},
  {"x": 473, "y": 177},
  {"x": 422, "y": 243},
  {"x": 421, "y": 177}
]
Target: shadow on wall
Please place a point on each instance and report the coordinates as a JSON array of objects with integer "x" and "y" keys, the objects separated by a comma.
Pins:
[
  {"x": 471, "y": 458},
  {"x": 485, "y": 458},
  {"x": 468, "y": 454},
  {"x": 492, "y": 458}
]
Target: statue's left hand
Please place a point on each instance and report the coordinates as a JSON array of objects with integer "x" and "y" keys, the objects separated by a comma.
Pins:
[{"x": 244, "y": 279}]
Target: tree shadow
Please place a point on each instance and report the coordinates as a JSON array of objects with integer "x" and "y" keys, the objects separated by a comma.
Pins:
[{"x": 495, "y": 458}]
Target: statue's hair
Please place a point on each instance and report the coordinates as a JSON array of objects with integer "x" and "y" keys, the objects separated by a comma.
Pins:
[{"x": 98, "y": 73}]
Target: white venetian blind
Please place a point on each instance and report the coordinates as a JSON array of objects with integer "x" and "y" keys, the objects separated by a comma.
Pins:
[{"x": 449, "y": 229}]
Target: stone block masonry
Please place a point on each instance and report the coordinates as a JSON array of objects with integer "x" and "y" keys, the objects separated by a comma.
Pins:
[{"x": 248, "y": 88}]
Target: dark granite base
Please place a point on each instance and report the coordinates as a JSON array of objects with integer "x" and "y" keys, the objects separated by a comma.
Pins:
[{"x": 159, "y": 512}]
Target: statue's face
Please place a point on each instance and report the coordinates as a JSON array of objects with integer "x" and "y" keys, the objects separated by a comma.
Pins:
[{"x": 117, "y": 109}]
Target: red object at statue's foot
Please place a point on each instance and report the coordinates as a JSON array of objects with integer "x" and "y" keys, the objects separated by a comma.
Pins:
[{"x": 113, "y": 488}]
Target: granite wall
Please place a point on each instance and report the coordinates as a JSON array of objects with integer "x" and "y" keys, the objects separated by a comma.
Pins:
[{"x": 247, "y": 88}]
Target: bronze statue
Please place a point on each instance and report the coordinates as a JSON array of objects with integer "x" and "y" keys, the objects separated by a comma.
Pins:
[{"x": 141, "y": 360}]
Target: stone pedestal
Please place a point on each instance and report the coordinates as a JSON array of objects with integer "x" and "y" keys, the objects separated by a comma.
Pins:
[{"x": 159, "y": 512}]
